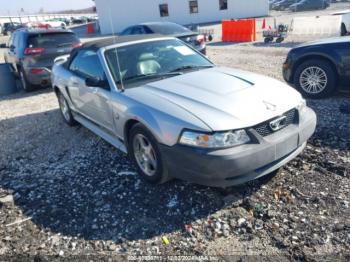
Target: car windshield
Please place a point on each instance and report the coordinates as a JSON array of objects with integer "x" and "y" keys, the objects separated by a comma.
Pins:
[
  {"x": 168, "y": 28},
  {"x": 53, "y": 40},
  {"x": 153, "y": 60}
]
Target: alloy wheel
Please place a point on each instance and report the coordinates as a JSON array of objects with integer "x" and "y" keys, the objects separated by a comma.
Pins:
[
  {"x": 313, "y": 80},
  {"x": 145, "y": 155},
  {"x": 64, "y": 107}
]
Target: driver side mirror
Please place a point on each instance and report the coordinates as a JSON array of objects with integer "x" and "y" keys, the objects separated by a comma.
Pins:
[{"x": 96, "y": 83}]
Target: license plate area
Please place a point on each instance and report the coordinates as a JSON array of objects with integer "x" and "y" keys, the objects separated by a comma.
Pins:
[{"x": 286, "y": 146}]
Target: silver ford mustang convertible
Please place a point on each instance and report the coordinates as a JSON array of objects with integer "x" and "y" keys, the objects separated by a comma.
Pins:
[{"x": 177, "y": 114}]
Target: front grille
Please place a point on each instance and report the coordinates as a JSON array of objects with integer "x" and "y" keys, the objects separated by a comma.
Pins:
[{"x": 264, "y": 128}]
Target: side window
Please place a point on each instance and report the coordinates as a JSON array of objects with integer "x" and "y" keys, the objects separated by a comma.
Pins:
[
  {"x": 87, "y": 64},
  {"x": 14, "y": 40},
  {"x": 147, "y": 30},
  {"x": 137, "y": 30},
  {"x": 127, "y": 31},
  {"x": 163, "y": 10},
  {"x": 223, "y": 4},
  {"x": 10, "y": 42}
]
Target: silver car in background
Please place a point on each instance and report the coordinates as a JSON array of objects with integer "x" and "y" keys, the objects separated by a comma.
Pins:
[
  {"x": 194, "y": 39},
  {"x": 177, "y": 114}
]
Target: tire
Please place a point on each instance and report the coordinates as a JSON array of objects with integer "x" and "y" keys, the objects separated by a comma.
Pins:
[
  {"x": 150, "y": 165},
  {"x": 279, "y": 40},
  {"x": 321, "y": 83},
  {"x": 343, "y": 30},
  {"x": 25, "y": 84},
  {"x": 65, "y": 110}
]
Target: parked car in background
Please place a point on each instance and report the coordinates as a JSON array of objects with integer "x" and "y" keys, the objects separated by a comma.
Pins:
[
  {"x": 177, "y": 114},
  {"x": 78, "y": 20},
  {"x": 9, "y": 28},
  {"x": 283, "y": 4},
  {"x": 345, "y": 21},
  {"x": 318, "y": 68},
  {"x": 31, "y": 52},
  {"x": 54, "y": 23},
  {"x": 64, "y": 20},
  {"x": 305, "y": 5},
  {"x": 194, "y": 39},
  {"x": 272, "y": 2}
]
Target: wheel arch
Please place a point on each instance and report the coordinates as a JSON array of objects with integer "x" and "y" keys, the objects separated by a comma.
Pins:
[
  {"x": 127, "y": 128},
  {"x": 315, "y": 57},
  {"x": 56, "y": 89}
]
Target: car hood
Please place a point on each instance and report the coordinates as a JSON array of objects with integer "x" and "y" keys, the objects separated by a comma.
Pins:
[
  {"x": 332, "y": 40},
  {"x": 224, "y": 98}
]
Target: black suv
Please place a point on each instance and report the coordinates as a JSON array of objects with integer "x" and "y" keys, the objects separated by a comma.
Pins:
[{"x": 31, "y": 52}]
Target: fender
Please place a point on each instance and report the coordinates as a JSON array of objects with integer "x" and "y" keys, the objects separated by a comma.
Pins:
[{"x": 327, "y": 54}]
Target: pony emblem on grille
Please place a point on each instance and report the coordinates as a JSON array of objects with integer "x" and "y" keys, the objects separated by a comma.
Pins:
[{"x": 278, "y": 123}]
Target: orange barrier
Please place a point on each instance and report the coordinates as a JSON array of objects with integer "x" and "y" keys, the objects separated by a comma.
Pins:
[
  {"x": 90, "y": 28},
  {"x": 242, "y": 30}
]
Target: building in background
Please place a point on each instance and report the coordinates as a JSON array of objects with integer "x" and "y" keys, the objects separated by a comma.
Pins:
[{"x": 115, "y": 15}]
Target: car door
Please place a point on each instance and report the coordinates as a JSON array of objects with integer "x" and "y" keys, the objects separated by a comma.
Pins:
[
  {"x": 343, "y": 51},
  {"x": 11, "y": 51},
  {"x": 90, "y": 101}
]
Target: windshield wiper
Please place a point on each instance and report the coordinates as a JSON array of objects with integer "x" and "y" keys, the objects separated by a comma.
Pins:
[
  {"x": 141, "y": 77},
  {"x": 188, "y": 67}
]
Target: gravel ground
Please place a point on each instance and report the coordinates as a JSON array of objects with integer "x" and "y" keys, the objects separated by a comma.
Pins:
[{"x": 65, "y": 193}]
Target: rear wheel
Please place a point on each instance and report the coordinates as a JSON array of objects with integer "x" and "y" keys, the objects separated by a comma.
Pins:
[
  {"x": 25, "y": 84},
  {"x": 315, "y": 78},
  {"x": 268, "y": 40},
  {"x": 144, "y": 152},
  {"x": 279, "y": 40}
]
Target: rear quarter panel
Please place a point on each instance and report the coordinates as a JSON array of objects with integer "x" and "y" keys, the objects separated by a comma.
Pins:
[{"x": 60, "y": 79}]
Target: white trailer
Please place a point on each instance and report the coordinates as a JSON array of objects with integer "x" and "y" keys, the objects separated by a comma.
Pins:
[{"x": 115, "y": 15}]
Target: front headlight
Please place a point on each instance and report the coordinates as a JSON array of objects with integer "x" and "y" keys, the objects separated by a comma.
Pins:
[{"x": 215, "y": 140}]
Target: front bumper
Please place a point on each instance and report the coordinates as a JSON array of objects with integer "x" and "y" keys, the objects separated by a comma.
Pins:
[
  {"x": 237, "y": 165},
  {"x": 287, "y": 73}
]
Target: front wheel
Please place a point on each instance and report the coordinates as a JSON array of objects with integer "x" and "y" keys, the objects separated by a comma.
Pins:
[
  {"x": 144, "y": 152},
  {"x": 315, "y": 78}
]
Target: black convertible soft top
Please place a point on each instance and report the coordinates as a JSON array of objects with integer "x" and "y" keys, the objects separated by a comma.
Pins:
[{"x": 97, "y": 44}]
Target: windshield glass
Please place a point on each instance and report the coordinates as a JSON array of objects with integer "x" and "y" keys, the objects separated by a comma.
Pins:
[
  {"x": 168, "y": 28},
  {"x": 48, "y": 40},
  {"x": 153, "y": 60}
]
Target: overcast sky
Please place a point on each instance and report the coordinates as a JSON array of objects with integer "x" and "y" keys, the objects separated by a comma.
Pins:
[{"x": 33, "y": 6}]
